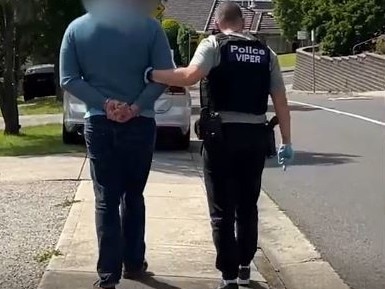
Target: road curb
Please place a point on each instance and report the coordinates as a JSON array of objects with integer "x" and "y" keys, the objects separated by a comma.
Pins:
[
  {"x": 295, "y": 259},
  {"x": 287, "y": 69}
]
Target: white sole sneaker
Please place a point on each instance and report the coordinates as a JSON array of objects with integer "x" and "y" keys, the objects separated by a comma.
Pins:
[{"x": 243, "y": 282}]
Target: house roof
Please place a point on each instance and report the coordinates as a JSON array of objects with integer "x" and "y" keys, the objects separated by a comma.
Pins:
[
  {"x": 192, "y": 12},
  {"x": 268, "y": 24},
  {"x": 251, "y": 17},
  {"x": 258, "y": 17}
]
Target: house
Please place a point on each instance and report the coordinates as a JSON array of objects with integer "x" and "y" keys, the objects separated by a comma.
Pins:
[
  {"x": 194, "y": 13},
  {"x": 259, "y": 19}
]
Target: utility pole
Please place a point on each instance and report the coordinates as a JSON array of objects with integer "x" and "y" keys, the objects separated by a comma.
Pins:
[{"x": 313, "y": 49}]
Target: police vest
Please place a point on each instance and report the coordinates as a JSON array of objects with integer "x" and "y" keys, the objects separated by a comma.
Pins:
[{"x": 241, "y": 82}]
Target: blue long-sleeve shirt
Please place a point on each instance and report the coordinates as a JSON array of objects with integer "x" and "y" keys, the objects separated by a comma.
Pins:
[{"x": 98, "y": 62}]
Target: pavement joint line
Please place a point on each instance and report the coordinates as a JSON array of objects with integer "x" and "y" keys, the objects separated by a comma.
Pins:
[
  {"x": 71, "y": 271},
  {"x": 339, "y": 112},
  {"x": 184, "y": 219}
]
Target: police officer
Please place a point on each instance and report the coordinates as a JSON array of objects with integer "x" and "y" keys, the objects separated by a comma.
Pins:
[{"x": 241, "y": 73}]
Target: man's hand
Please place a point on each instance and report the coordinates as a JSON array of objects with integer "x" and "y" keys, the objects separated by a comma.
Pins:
[
  {"x": 125, "y": 112},
  {"x": 110, "y": 108},
  {"x": 120, "y": 111}
]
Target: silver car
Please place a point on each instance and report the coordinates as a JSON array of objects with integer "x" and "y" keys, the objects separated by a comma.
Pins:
[{"x": 173, "y": 117}]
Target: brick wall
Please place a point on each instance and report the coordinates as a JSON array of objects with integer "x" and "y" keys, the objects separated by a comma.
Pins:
[{"x": 363, "y": 72}]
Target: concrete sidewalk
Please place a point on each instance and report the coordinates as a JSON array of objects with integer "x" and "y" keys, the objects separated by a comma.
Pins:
[
  {"x": 179, "y": 245},
  {"x": 32, "y": 120}
]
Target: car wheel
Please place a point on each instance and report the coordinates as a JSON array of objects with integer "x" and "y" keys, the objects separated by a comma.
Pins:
[
  {"x": 70, "y": 138},
  {"x": 184, "y": 141}
]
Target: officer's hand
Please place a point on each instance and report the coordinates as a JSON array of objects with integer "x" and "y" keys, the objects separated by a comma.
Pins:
[{"x": 285, "y": 154}]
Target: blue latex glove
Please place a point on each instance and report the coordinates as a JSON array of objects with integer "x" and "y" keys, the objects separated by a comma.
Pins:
[{"x": 285, "y": 155}]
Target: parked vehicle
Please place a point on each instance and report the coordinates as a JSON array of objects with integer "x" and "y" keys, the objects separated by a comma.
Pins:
[
  {"x": 173, "y": 117},
  {"x": 39, "y": 81}
]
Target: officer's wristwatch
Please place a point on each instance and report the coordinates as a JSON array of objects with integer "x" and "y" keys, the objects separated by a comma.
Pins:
[{"x": 148, "y": 74}]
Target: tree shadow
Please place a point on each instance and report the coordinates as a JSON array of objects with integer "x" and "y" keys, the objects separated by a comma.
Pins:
[
  {"x": 174, "y": 162},
  {"x": 303, "y": 158},
  {"x": 156, "y": 283},
  {"x": 256, "y": 285},
  {"x": 172, "y": 282}
]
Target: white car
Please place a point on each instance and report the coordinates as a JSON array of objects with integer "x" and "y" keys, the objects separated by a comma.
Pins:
[{"x": 173, "y": 117}]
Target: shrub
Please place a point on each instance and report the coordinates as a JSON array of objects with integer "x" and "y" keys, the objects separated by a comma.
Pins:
[
  {"x": 186, "y": 49},
  {"x": 171, "y": 27},
  {"x": 380, "y": 45}
]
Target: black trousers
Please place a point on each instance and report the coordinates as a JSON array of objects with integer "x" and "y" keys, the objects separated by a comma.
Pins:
[
  {"x": 120, "y": 160},
  {"x": 233, "y": 171}
]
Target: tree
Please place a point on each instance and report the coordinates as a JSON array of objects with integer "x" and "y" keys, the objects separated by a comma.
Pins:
[
  {"x": 185, "y": 47},
  {"x": 14, "y": 17},
  {"x": 339, "y": 24},
  {"x": 171, "y": 27},
  {"x": 289, "y": 15},
  {"x": 56, "y": 16},
  {"x": 380, "y": 45},
  {"x": 351, "y": 23}
]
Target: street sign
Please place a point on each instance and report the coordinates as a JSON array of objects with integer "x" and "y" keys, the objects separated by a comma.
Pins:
[
  {"x": 302, "y": 35},
  {"x": 158, "y": 12}
]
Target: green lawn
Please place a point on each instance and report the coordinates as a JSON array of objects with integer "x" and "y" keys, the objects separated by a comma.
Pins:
[
  {"x": 287, "y": 60},
  {"x": 44, "y": 105},
  {"x": 37, "y": 140}
]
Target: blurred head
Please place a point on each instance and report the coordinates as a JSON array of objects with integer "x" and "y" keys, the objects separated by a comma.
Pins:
[
  {"x": 146, "y": 6},
  {"x": 229, "y": 17},
  {"x": 120, "y": 14}
]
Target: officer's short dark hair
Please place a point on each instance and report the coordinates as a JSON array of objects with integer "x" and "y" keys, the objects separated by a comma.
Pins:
[{"x": 228, "y": 12}]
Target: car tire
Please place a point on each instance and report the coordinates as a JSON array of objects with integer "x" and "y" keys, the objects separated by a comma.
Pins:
[
  {"x": 70, "y": 138},
  {"x": 184, "y": 141}
]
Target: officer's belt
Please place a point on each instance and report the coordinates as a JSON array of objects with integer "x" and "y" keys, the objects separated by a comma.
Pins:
[{"x": 239, "y": 117}]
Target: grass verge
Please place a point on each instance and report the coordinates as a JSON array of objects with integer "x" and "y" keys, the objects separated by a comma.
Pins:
[
  {"x": 287, "y": 60},
  {"x": 37, "y": 140},
  {"x": 45, "y": 105},
  {"x": 67, "y": 203},
  {"x": 45, "y": 256}
]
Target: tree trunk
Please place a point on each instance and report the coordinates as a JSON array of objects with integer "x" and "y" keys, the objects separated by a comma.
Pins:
[
  {"x": 9, "y": 101},
  {"x": 16, "y": 68}
]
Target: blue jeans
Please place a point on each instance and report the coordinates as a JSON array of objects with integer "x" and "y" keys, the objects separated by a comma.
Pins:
[{"x": 120, "y": 161}]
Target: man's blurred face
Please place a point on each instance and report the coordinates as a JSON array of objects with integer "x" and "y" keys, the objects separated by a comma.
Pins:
[
  {"x": 146, "y": 6},
  {"x": 120, "y": 14}
]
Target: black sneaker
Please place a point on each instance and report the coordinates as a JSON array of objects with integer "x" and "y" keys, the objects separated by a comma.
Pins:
[
  {"x": 244, "y": 276},
  {"x": 224, "y": 285},
  {"x": 136, "y": 273}
]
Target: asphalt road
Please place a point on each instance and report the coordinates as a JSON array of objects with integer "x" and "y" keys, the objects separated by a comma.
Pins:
[
  {"x": 288, "y": 77},
  {"x": 335, "y": 190}
]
